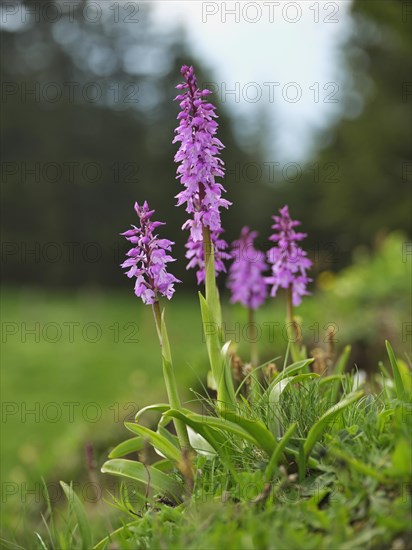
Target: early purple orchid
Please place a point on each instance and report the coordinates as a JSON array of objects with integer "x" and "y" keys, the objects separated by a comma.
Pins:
[
  {"x": 246, "y": 280},
  {"x": 147, "y": 260},
  {"x": 199, "y": 165},
  {"x": 288, "y": 261}
]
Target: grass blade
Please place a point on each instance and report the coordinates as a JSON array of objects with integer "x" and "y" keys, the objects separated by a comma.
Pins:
[
  {"x": 277, "y": 453},
  {"x": 320, "y": 426},
  {"x": 400, "y": 388},
  {"x": 83, "y": 522},
  {"x": 339, "y": 369}
]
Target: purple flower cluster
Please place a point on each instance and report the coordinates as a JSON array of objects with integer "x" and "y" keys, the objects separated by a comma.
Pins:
[
  {"x": 199, "y": 165},
  {"x": 246, "y": 280},
  {"x": 148, "y": 258},
  {"x": 288, "y": 261}
]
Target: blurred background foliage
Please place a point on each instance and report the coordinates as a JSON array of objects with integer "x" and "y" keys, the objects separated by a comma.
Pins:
[
  {"x": 72, "y": 168},
  {"x": 353, "y": 198}
]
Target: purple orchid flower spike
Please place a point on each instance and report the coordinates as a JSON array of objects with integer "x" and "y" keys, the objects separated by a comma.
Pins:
[
  {"x": 148, "y": 258},
  {"x": 288, "y": 261},
  {"x": 246, "y": 280},
  {"x": 199, "y": 164}
]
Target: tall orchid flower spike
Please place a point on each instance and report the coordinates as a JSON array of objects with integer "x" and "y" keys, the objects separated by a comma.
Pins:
[
  {"x": 288, "y": 261},
  {"x": 148, "y": 259},
  {"x": 199, "y": 166},
  {"x": 246, "y": 280},
  {"x": 289, "y": 265}
]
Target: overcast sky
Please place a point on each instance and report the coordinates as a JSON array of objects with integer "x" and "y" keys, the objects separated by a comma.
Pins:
[{"x": 279, "y": 56}]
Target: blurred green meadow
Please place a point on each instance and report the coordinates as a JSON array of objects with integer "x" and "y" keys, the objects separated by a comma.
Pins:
[{"x": 77, "y": 364}]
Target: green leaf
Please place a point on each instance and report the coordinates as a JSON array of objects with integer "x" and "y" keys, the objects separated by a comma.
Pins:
[
  {"x": 218, "y": 357},
  {"x": 126, "y": 447},
  {"x": 320, "y": 426},
  {"x": 83, "y": 522},
  {"x": 277, "y": 453},
  {"x": 210, "y": 329},
  {"x": 159, "y": 407},
  {"x": 200, "y": 445},
  {"x": 148, "y": 475},
  {"x": 339, "y": 370},
  {"x": 400, "y": 388},
  {"x": 256, "y": 429},
  {"x": 402, "y": 459},
  {"x": 226, "y": 426},
  {"x": 213, "y": 436},
  {"x": 158, "y": 441},
  {"x": 164, "y": 465},
  {"x": 292, "y": 369}
]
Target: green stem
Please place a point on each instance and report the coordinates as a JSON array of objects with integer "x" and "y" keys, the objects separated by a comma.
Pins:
[
  {"x": 158, "y": 322},
  {"x": 221, "y": 371},
  {"x": 291, "y": 319},
  {"x": 254, "y": 357},
  {"x": 295, "y": 340},
  {"x": 169, "y": 378}
]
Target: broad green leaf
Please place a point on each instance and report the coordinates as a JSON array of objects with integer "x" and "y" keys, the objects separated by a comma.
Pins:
[
  {"x": 167, "y": 435},
  {"x": 225, "y": 426},
  {"x": 164, "y": 465},
  {"x": 170, "y": 382},
  {"x": 339, "y": 370},
  {"x": 399, "y": 385},
  {"x": 83, "y": 522},
  {"x": 213, "y": 436},
  {"x": 292, "y": 369},
  {"x": 126, "y": 447},
  {"x": 218, "y": 358},
  {"x": 158, "y": 441},
  {"x": 159, "y": 407},
  {"x": 320, "y": 426},
  {"x": 256, "y": 429},
  {"x": 277, "y": 453},
  {"x": 199, "y": 444},
  {"x": 148, "y": 475}
]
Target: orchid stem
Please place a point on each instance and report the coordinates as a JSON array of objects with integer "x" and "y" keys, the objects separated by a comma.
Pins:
[
  {"x": 254, "y": 357},
  {"x": 169, "y": 378}
]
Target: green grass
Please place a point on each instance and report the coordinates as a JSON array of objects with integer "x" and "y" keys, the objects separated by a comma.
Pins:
[{"x": 114, "y": 378}]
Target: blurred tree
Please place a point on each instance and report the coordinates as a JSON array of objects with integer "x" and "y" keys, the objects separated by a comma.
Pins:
[
  {"x": 88, "y": 121},
  {"x": 365, "y": 171}
]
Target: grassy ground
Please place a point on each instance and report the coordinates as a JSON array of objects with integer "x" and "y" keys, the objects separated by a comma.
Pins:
[{"x": 94, "y": 361}]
